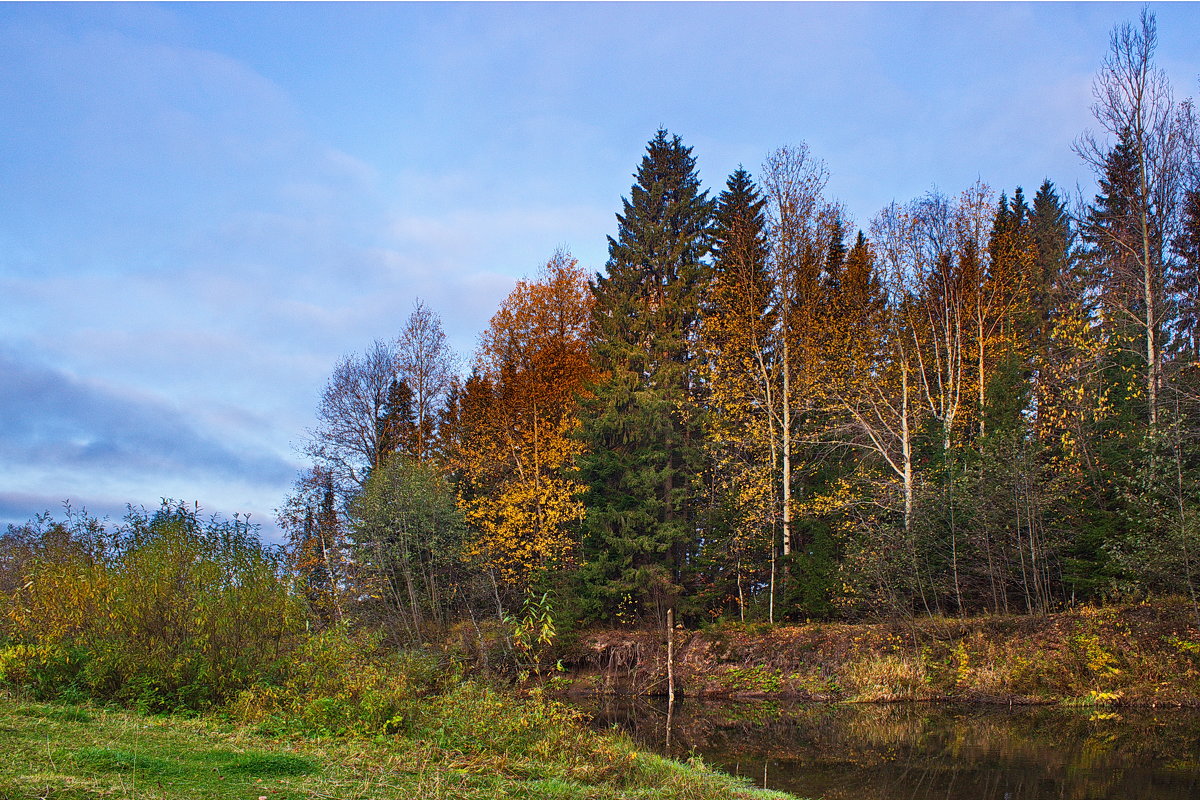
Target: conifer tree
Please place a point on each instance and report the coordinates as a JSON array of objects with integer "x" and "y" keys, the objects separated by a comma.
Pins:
[
  {"x": 738, "y": 335},
  {"x": 1056, "y": 283},
  {"x": 856, "y": 309},
  {"x": 835, "y": 259},
  {"x": 1007, "y": 323},
  {"x": 317, "y": 543},
  {"x": 1057, "y": 303},
  {"x": 1140, "y": 191},
  {"x": 1186, "y": 284},
  {"x": 397, "y": 431},
  {"x": 1112, "y": 233},
  {"x": 643, "y": 428}
]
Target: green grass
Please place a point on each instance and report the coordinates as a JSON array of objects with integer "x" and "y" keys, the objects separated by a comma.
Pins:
[{"x": 58, "y": 752}]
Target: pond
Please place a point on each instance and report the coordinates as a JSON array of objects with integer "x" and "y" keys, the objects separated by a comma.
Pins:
[{"x": 921, "y": 750}]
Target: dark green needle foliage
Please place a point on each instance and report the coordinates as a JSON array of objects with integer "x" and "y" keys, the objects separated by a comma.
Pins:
[{"x": 643, "y": 426}]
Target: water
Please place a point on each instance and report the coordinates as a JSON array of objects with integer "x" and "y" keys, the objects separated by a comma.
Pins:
[{"x": 923, "y": 751}]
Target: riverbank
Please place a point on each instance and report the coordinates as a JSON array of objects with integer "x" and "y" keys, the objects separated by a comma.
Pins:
[
  {"x": 81, "y": 751},
  {"x": 950, "y": 751},
  {"x": 1143, "y": 654}
]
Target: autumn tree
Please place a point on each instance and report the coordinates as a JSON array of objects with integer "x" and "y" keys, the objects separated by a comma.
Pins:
[
  {"x": 738, "y": 334},
  {"x": 1133, "y": 221},
  {"x": 879, "y": 412},
  {"x": 799, "y": 231},
  {"x": 520, "y": 414},
  {"x": 1056, "y": 288},
  {"x": 317, "y": 544},
  {"x": 354, "y": 434}
]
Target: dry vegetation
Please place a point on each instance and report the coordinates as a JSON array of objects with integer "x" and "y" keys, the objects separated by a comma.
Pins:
[{"x": 1147, "y": 653}]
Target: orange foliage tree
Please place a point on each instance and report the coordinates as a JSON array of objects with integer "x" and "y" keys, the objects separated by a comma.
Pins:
[{"x": 517, "y": 451}]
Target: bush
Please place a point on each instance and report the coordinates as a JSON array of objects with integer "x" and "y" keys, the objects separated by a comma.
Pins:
[
  {"x": 165, "y": 612},
  {"x": 472, "y": 718},
  {"x": 342, "y": 683},
  {"x": 47, "y": 672}
]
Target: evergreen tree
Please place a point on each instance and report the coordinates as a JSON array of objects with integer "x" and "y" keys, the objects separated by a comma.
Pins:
[
  {"x": 1186, "y": 284},
  {"x": 835, "y": 259},
  {"x": 1111, "y": 233},
  {"x": 1056, "y": 284},
  {"x": 1009, "y": 328},
  {"x": 1128, "y": 287},
  {"x": 313, "y": 524},
  {"x": 738, "y": 338},
  {"x": 857, "y": 321},
  {"x": 397, "y": 430},
  {"x": 741, "y": 283},
  {"x": 642, "y": 426}
]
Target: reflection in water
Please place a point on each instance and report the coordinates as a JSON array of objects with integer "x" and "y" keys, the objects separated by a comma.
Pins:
[{"x": 918, "y": 751}]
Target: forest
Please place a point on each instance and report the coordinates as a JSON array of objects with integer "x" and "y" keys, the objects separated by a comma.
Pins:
[
  {"x": 952, "y": 420},
  {"x": 761, "y": 410}
]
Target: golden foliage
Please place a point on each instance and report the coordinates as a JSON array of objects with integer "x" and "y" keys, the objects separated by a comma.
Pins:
[{"x": 517, "y": 452}]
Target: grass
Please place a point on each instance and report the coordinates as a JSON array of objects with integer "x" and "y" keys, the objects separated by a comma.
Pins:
[{"x": 56, "y": 752}]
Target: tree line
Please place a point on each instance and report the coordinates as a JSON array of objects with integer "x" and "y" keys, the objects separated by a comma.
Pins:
[{"x": 760, "y": 410}]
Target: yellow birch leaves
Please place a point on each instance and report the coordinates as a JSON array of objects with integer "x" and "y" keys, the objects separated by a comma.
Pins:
[{"x": 519, "y": 413}]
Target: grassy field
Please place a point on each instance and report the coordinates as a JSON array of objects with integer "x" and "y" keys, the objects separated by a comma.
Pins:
[{"x": 67, "y": 751}]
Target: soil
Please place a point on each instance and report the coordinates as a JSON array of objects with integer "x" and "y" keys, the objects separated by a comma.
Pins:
[{"x": 1147, "y": 653}]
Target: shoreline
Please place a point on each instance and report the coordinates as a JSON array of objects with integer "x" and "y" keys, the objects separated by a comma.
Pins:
[{"x": 1145, "y": 654}]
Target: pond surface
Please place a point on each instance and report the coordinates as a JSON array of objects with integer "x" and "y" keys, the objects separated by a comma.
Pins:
[{"x": 916, "y": 751}]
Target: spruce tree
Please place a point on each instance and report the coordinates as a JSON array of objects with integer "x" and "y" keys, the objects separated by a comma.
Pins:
[
  {"x": 396, "y": 429},
  {"x": 835, "y": 259},
  {"x": 1056, "y": 281},
  {"x": 1112, "y": 234},
  {"x": 1126, "y": 337},
  {"x": 642, "y": 424},
  {"x": 737, "y": 334},
  {"x": 1185, "y": 284},
  {"x": 1012, "y": 322},
  {"x": 739, "y": 247},
  {"x": 741, "y": 286}
]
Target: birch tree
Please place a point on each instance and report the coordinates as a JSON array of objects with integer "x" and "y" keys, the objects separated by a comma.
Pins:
[{"x": 1135, "y": 107}]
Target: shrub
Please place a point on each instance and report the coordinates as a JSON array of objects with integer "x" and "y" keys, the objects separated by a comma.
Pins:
[
  {"x": 164, "y": 612},
  {"x": 46, "y": 671},
  {"x": 343, "y": 683}
]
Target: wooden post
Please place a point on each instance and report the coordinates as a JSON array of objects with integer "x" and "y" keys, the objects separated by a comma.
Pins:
[
  {"x": 670, "y": 656},
  {"x": 670, "y": 714}
]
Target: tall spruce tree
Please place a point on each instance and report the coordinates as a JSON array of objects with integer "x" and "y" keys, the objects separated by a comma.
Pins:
[
  {"x": 642, "y": 425},
  {"x": 738, "y": 337},
  {"x": 1057, "y": 302},
  {"x": 1056, "y": 281},
  {"x": 1115, "y": 441},
  {"x": 1112, "y": 233},
  {"x": 1009, "y": 327}
]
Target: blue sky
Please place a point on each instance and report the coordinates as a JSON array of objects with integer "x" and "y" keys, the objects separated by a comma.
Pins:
[{"x": 203, "y": 206}]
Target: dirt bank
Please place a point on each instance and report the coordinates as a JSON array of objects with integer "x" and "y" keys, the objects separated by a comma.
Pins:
[{"x": 1133, "y": 654}]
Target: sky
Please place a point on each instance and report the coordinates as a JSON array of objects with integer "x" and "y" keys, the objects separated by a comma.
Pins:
[{"x": 204, "y": 206}]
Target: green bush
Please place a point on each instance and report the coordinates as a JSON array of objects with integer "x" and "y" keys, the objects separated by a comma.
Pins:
[
  {"x": 46, "y": 671},
  {"x": 343, "y": 683},
  {"x": 165, "y": 612},
  {"x": 472, "y": 718}
]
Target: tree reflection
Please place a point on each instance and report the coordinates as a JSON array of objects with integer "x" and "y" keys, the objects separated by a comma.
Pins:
[{"x": 929, "y": 750}]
